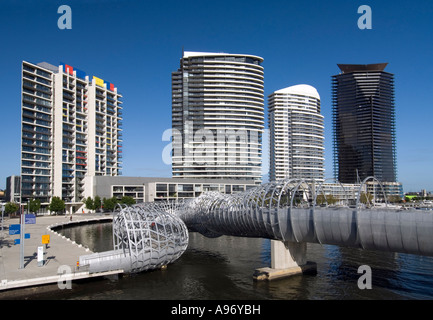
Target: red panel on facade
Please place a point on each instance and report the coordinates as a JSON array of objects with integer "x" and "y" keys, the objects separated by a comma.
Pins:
[
  {"x": 69, "y": 69},
  {"x": 111, "y": 87}
]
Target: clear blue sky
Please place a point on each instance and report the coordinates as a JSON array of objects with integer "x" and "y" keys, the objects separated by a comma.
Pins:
[{"x": 137, "y": 44}]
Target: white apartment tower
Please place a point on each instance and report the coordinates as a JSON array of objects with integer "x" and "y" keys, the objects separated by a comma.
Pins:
[
  {"x": 71, "y": 128},
  {"x": 218, "y": 116},
  {"x": 296, "y": 134}
]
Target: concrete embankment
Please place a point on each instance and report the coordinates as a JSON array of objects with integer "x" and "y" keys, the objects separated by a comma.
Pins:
[{"x": 60, "y": 256}]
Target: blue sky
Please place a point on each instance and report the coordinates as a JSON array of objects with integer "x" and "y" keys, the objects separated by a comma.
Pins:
[{"x": 137, "y": 44}]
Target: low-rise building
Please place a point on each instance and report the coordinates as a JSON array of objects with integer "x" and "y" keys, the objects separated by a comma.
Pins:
[{"x": 149, "y": 189}]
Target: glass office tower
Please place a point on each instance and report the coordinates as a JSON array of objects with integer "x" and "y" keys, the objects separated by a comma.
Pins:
[{"x": 364, "y": 123}]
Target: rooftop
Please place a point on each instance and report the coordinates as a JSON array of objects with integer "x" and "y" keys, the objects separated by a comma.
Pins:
[
  {"x": 187, "y": 54},
  {"x": 347, "y": 68},
  {"x": 302, "y": 89}
]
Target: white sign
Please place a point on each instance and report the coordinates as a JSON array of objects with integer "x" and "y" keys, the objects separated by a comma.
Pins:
[{"x": 40, "y": 256}]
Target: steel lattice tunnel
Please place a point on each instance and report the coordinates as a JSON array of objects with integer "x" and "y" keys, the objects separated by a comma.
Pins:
[
  {"x": 287, "y": 210},
  {"x": 150, "y": 235},
  {"x": 146, "y": 236}
]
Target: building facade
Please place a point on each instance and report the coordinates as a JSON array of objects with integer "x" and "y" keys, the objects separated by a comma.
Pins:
[
  {"x": 218, "y": 116},
  {"x": 296, "y": 134},
  {"x": 13, "y": 186},
  {"x": 150, "y": 189},
  {"x": 388, "y": 190},
  {"x": 71, "y": 127},
  {"x": 364, "y": 123}
]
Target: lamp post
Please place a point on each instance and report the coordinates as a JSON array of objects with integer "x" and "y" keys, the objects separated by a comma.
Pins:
[
  {"x": 22, "y": 235},
  {"x": 3, "y": 211}
]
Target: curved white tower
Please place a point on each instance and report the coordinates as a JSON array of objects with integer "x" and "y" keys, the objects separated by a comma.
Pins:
[
  {"x": 296, "y": 134},
  {"x": 218, "y": 116}
]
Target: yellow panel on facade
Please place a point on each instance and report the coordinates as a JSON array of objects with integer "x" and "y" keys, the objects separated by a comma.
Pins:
[{"x": 99, "y": 81}]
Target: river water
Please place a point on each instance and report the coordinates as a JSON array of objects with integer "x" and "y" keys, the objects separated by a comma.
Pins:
[{"x": 222, "y": 269}]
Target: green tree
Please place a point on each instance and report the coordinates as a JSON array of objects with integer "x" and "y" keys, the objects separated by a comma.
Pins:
[
  {"x": 394, "y": 199},
  {"x": 93, "y": 204},
  {"x": 366, "y": 198},
  {"x": 330, "y": 199},
  {"x": 56, "y": 205},
  {"x": 90, "y": 204},
  {"x": 110, "y": 203},
  {"x": 127, "y": 200},
  {"x": 11, "y": 207},
  {"x": 35, "y": 205},
  {"x": 320, "y": 199},
  {"x": 97, "y": 203}
]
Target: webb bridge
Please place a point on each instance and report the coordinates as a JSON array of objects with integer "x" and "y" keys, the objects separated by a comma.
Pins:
[{"x": 152, "y": 235}]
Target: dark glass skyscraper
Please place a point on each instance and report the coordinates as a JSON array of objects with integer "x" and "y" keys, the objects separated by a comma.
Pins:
[{"x": 364, "y": 123}]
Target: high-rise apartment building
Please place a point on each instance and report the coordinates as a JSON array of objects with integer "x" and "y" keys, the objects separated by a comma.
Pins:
[
  {"x": 71, "y": 127},
  {"x": 364, "y": 123},
  {"x": 13, "y": 186},
  {"x": 218, "y": 116},
  {"x": 296, "y": 134}
]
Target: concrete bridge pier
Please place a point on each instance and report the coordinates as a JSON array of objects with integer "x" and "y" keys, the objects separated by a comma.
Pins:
[{"x": 287, "y": 259}]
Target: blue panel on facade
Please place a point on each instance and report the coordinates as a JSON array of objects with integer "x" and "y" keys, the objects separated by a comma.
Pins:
[{"x": 80, "y": 74}]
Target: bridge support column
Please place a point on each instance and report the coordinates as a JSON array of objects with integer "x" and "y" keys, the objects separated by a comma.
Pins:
[{"x": 287, "y": 259}]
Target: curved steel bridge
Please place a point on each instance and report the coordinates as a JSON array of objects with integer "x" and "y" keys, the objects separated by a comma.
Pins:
[
  {"x": 144, "y": 237},
  {"x": 284, "y": 210}
]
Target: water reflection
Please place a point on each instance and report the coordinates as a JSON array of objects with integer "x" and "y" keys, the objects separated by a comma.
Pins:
[
  {"x": 222, "y": 268},
  {"x": 96, "y": 237}
]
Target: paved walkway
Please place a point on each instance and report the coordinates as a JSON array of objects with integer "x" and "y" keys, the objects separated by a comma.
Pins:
[{"x": 60, "y": 254}]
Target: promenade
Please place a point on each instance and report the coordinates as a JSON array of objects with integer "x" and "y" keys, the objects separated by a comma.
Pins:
[{"x": 60, "y": 255}]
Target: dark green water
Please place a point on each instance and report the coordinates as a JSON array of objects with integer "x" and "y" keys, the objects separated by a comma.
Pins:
[{"x": 222, "y": 269}]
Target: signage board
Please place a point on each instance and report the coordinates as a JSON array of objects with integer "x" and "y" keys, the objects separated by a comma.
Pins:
[
  {"x": 14, "y": 229},
  {"x": 40, "y": 256},
  {"x": 30, "y": 218},
  {"x": 26, "y": 235},
  {"x": 45, "y": 239},
  {"x": 17, "y": 241}
]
